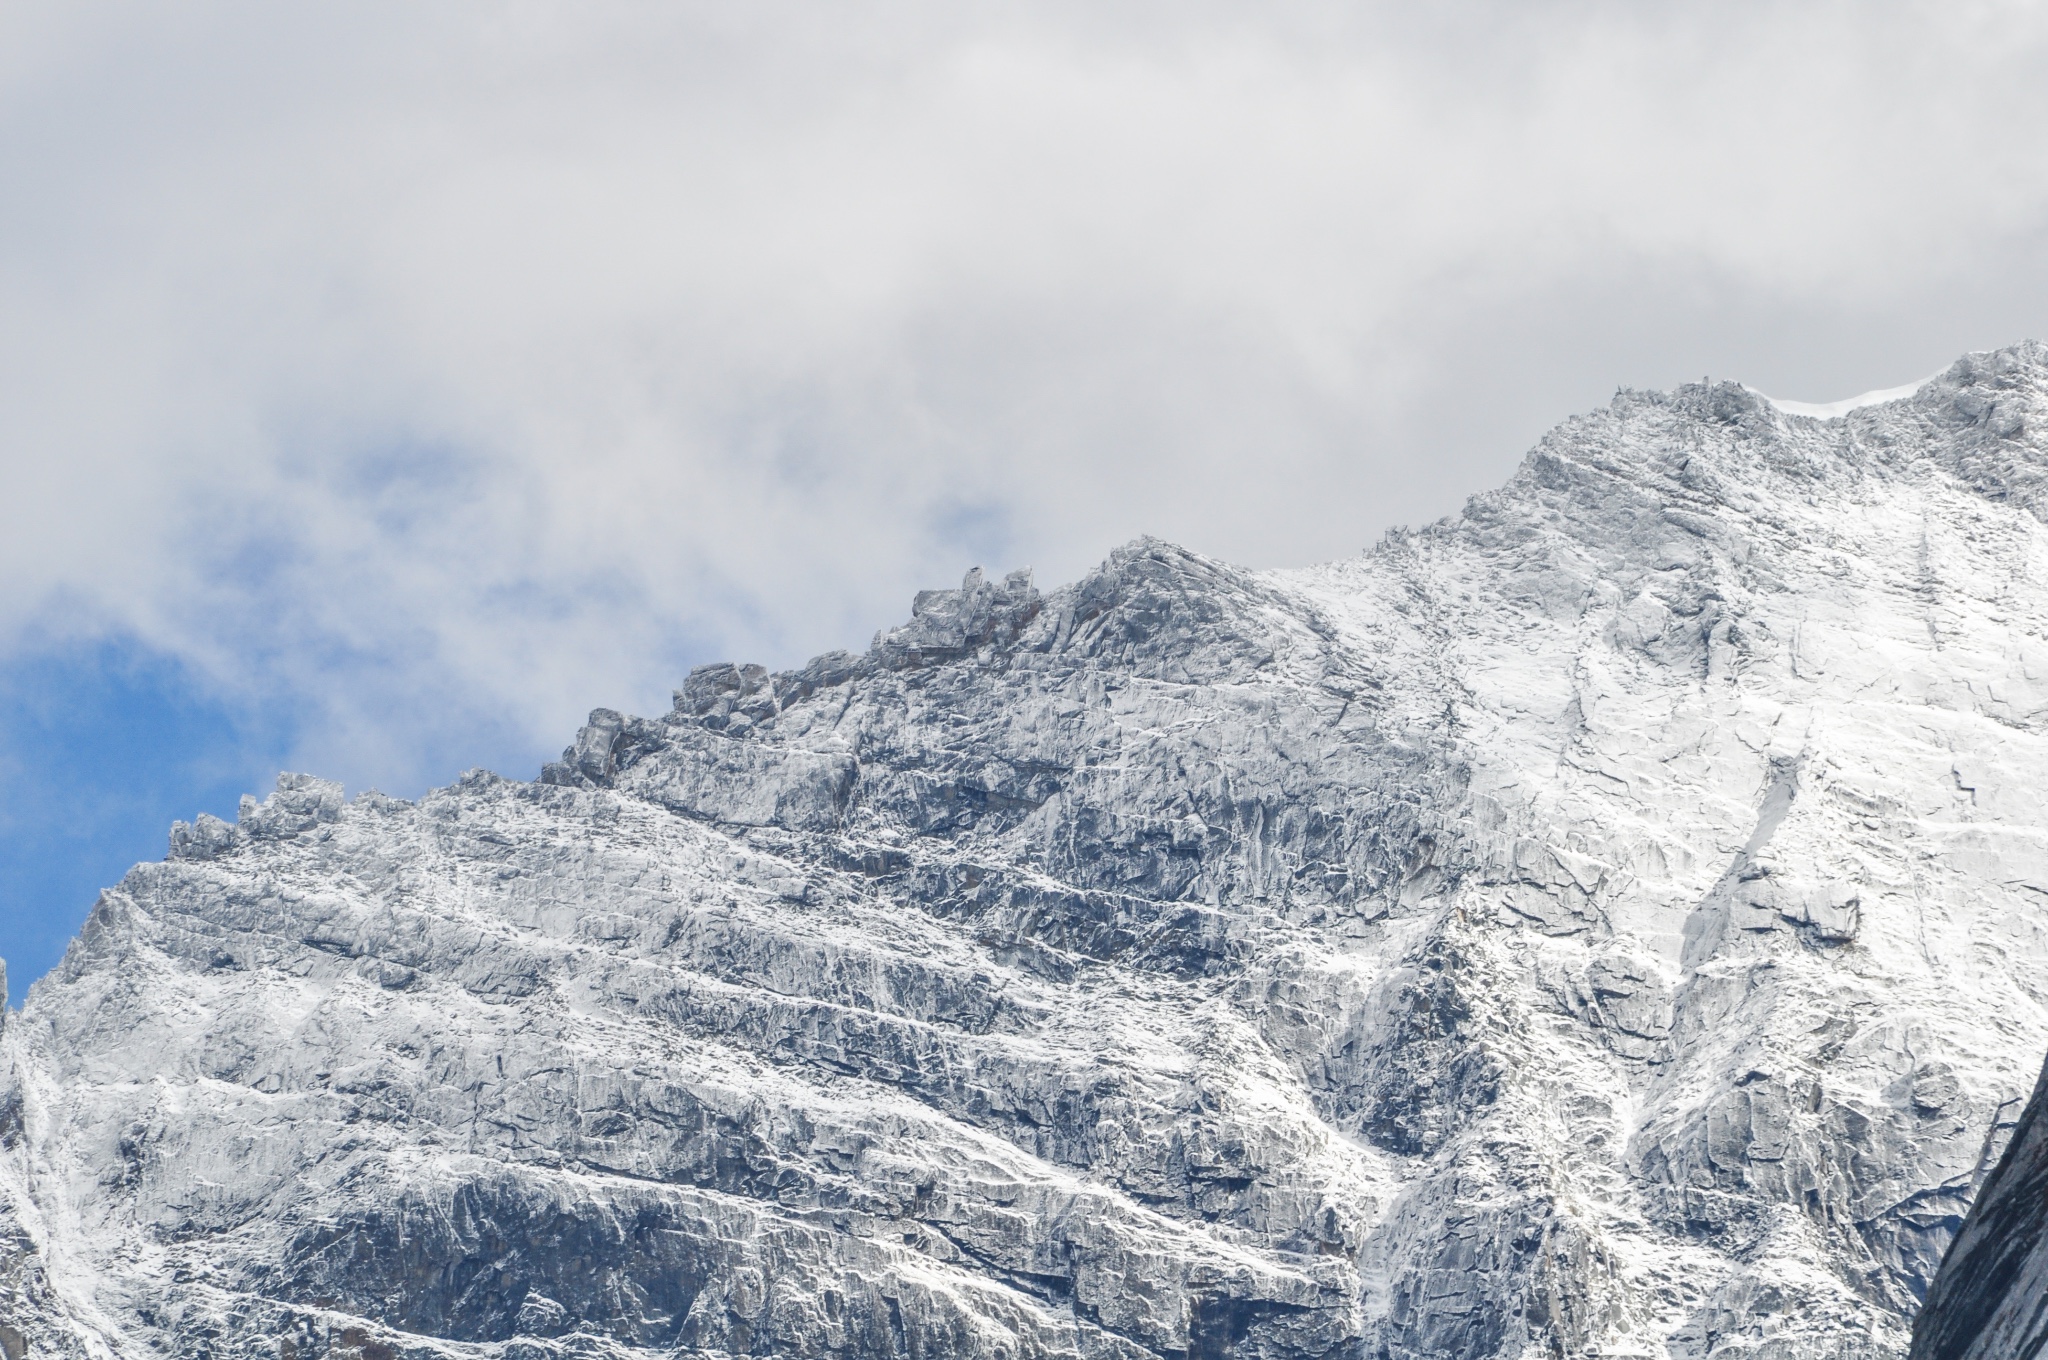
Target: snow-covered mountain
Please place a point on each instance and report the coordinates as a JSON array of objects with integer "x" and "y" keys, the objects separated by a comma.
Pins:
[{"x": 1608, "y": 922}]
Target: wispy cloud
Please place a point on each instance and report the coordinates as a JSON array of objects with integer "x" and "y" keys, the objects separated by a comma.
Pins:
[{"x": 454, "y": 368}]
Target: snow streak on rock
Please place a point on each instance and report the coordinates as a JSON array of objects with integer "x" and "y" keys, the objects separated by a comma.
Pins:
[{"x": 1606, "y": 922}]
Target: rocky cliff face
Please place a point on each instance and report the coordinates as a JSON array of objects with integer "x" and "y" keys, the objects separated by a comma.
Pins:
[
  {"x": 1990, "y": 1299},
  {"x": 1607, "y": 922}
]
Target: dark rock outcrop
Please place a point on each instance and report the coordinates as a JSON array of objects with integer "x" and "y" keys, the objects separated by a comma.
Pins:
[{"x": 1990, "y": 1300}]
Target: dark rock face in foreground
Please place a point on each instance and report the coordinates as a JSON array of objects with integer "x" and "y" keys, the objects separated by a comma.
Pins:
[
  {"x": 1990, "y": 1300},
  {"x": 1607, "y": 922}
]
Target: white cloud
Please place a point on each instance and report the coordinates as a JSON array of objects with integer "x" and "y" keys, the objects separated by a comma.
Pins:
[{"x": 462, "y": 364}]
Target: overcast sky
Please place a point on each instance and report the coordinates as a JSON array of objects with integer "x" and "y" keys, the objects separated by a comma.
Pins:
[{"x": 382, "y": 386}]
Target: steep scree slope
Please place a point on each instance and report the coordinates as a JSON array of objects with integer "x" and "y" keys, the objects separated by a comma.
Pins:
[{"x": 1606, "y": 922}]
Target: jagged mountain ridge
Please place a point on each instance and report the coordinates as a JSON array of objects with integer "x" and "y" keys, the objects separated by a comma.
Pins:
[{"x": 1599, "y": 923}]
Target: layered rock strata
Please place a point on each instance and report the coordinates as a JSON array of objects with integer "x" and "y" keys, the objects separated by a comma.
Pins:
[{"x": 1609, "y": 921}]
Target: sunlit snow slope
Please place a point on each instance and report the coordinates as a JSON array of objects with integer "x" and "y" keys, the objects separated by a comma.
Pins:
[{"x": 1607, "y": 922}]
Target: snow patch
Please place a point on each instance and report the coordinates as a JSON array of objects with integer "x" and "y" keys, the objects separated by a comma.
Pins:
[{"x": 1833, "y": 410}]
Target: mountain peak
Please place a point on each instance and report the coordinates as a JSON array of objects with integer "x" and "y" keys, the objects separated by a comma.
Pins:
[{"x": 1600, "y": 922}]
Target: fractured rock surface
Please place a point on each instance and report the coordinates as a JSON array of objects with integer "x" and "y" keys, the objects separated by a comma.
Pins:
[
  {"x": 1990, "y": 1299},
  {"x": 1606, "y": 922}
]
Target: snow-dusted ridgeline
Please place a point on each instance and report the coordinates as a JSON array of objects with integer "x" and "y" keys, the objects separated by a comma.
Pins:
[{"x": 1605, "y": 922}]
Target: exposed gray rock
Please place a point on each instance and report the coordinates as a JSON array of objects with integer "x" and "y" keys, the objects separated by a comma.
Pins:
[
  {"x": 1990, "y": 1299},
  {"x": 1605, "y": 922}
]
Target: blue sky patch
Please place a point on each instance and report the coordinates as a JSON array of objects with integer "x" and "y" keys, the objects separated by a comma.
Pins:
[{"x": 102, "y": 746}]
